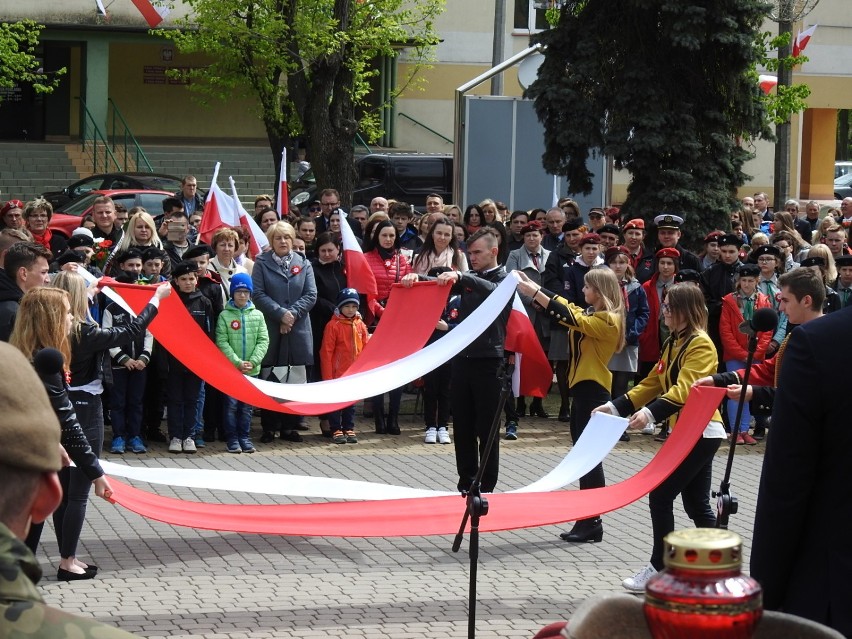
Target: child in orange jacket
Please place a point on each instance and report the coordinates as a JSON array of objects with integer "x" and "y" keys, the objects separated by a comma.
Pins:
[
  {"x": 343, "y": 340},
  {"x": 737, "y": 307}
]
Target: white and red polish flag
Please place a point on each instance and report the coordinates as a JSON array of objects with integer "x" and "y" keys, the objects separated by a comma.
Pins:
[
  {"x": 801, "y": 41},
  {"x": 258, "y": 241},
  {"x": 218, "y": 211},
  {"x": 153, "y": 12},
  {"x": 532, "y": 375},
  {"x": 767, "y": 83},
  {"x": 359, "y": 275},
  {"x": 282, "y": 201}
]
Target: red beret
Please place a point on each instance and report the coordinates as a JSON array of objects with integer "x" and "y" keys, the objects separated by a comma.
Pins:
[
  {"x": 635, "y": 223},
  {"x": 11, "y": 204},
  {"x": 535, "y": 225},
  {"x": 589, "y": 238},
  {"x": 668, "y": 252},
  {"x": 614, "y": 252},
  {"x": 713, "y": 236}
]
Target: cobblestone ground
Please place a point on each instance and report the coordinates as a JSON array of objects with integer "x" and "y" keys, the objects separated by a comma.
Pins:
[{"x": 160, "y": 580}]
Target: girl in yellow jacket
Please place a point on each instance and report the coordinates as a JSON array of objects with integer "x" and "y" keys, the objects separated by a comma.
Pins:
[
  {"x": 595, "y": 334},
  {"x": 687, "y": 355}
]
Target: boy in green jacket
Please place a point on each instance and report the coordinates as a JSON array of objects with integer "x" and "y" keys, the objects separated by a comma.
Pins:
[{"x": 242, "y": 336}]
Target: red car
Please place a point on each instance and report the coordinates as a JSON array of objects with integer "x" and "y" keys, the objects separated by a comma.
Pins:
[{"x": 70, "y": 216}]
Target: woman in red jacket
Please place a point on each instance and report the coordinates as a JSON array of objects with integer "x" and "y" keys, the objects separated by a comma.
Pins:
[
  {"x": 389, "y": 266},
  {"x": 737, "y": 307}
]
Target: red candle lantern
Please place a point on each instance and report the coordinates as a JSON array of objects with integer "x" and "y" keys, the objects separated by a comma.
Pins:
[{"x": 702, "y": 593}]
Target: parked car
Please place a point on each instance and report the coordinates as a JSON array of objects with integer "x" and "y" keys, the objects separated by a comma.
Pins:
[
  {"x": 408, "y": 177},
  {"x": 843, "y": 186},
  {"x": 842, "y": 168},
  {"x": 112, "y": 181},
  {"x": 71, "y": 215}
]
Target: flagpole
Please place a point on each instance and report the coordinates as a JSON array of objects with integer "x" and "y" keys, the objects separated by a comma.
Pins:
[
  {"x": 282, "y": 178},
  {"x": 209, "y": 193}
]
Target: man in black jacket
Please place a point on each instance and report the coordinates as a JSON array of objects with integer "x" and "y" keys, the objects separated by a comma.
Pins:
[
  {"x": 476, "y": 370},
  {"x": 800, "y": 551},
  {"x": 719, "y": 280},
  {"x": 668, "y": 236}
]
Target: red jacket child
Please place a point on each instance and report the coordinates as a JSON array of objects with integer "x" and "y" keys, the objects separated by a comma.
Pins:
[{"x": 734, "y": 343}]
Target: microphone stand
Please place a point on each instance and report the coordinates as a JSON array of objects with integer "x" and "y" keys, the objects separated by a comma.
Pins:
[
  {"x": 726, "y": 501},
  {"x": 476, "y": 506}
]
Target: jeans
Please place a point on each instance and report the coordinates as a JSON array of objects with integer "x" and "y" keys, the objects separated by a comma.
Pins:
[
  {"x": 126, "y": 401},
  {"x": 745, "y": 420},
  {"x": 237, "y": 419},
  {"x": 343, "y": 419},
  {"x": 183, "y": 402},
  {"x": 692, "y": 481}
]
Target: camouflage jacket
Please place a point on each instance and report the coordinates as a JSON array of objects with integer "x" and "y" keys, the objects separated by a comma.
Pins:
[{"x": 23, "y": 612}]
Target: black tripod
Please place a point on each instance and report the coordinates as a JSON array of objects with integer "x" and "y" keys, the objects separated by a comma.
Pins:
[
  {"x": 476, "y": 506},
  {"x": 764, "y": 319}
]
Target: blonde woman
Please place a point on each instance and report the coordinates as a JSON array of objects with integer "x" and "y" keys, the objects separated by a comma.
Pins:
[
  {"x": 595, "y": 332},
  {"x": 142, "y": 233}
]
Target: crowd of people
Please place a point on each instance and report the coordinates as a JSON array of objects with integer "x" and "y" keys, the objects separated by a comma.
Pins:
[{"x": 614, "y": 303}]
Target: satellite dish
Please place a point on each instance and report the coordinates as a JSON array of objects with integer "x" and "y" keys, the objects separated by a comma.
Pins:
[{"x": 528, "y": 69}]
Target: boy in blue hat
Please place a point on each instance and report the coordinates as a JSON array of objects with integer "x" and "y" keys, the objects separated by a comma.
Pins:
[{"x": 242, "y": 336}]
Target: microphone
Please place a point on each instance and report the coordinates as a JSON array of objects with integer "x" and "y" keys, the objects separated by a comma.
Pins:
[
  {"x": 764, "y": 319},
  {"x": 48, "y": 362}
]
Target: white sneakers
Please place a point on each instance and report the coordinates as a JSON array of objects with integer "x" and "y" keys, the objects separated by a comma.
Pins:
[
  {"x": 437, "y": 435},
  {"x": 637, "y": 582},
  {"x": 178, "y": 445},
  {"x": 648, "y": 430}
]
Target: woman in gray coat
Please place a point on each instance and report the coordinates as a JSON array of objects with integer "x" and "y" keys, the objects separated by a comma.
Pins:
[{"x": 284, "y": 291}]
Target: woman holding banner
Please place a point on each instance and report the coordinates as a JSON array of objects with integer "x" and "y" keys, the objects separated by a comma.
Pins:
[{"x": 688, "y": 354}]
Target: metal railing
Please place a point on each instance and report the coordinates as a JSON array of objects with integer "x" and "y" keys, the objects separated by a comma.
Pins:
[
  {"x": 94, "y": 143},
  {"x": 420, "y": 124},
  {"x": 359, "y": 141},
  {"x": 124, "y": 143}
]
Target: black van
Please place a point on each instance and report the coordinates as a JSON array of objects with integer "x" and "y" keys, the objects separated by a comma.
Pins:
[{"x": 408, "y": 177}]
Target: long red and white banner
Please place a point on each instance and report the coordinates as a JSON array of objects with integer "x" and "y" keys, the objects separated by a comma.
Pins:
[{"x": 438, "y": 515}]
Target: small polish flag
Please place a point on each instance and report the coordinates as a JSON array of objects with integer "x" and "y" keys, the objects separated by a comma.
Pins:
[
  {"x": 767, "y": 83},
  {"x": 533, "y": 375},
  {"x": 801, "y": 41},
  {"x": 359, "y": 275},
  {"x": 101, "y": 8},
  {"x": 153, "y": 12},
  {"x": 258, "y": 240},
  {"x": 218, "y": 211},
  {"x": 282, "y": 201}
]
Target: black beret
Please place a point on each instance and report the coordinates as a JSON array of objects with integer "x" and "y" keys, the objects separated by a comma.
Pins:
[
  {"x": 76, "y": 241},
  {"x": 131, "y": 253},
  {"x": 609, "y": 228},
  {"x": 843, "y": 260},
  {"x": 813, "y": 261},
  {"x": 71, "y": 256},
  {"x": 197, "y": 251},
  {"x": 729, "y": 239},
  {"x": 153, "y": 253},
  {"x": 184, "y": 268},
  {"x": 572, "y": 225},
  {"x": 688, "y": 275},
  {"x": 748, "y": 270},
  {"x": 766, "y": 249}
]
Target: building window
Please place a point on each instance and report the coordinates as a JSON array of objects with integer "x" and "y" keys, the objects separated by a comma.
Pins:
[{"x": 530, "y": 14}]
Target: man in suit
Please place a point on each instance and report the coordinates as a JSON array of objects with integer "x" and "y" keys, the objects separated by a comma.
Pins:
[{"x": 800, "y": 553}]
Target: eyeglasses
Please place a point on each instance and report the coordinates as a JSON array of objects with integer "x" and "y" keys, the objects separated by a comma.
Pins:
[
  {"x": 666, "y": 308},
  {"x": 332, "y": 204},
  {"x": 314, "y": 209},
  {"x": 766, "y": 259},
  {"x": 782, "y": 246}
]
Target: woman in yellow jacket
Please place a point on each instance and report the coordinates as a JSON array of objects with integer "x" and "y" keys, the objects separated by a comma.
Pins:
[
  {"x": 687, "y": 355},
  {"x": 595, "y": 334}
]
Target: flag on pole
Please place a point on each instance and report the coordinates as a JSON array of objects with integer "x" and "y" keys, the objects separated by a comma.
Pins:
[
  {"x": 801, "y": 41},
  {"x": 532, "y": 375},
  {"x": 101, "y": 8},
  {"x": 359, "y": 275},
  {"x": 153, "y": 12},
  {"x": 217, "y": 212},
  {"x": 282, "y": 201},
  {"x": 258, "y": 240},
  {"x": 767, "y": 83}
]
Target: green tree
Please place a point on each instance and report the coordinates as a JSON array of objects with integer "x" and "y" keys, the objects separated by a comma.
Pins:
[
  {"x": 309, "y": 63},
  {"x": 18, "y": 63},
  {"x": 664, "y": 87}
]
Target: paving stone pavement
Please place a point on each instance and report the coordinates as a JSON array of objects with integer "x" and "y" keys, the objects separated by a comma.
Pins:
[{"x": 160, "y": 580}]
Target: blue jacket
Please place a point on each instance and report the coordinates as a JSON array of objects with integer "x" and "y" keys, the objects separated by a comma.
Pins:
[{"x": 638, "y": 312}]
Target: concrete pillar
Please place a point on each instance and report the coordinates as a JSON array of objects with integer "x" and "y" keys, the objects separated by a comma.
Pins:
[
  {"x": 96, "y": 81},
  {"x": 819, "y": 135}
]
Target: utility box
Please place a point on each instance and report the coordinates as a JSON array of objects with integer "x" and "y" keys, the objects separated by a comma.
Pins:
[{"x": 501, "y": 158}]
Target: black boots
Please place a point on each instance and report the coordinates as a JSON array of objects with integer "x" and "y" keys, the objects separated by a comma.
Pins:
[
  {"x": 585, "y": 531},
  {"x": 379, "y": 419},
  {"x": 393, "y": 424},
  {"x": 521, "y": 406},
  {"x": 537, "y": 410}
]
